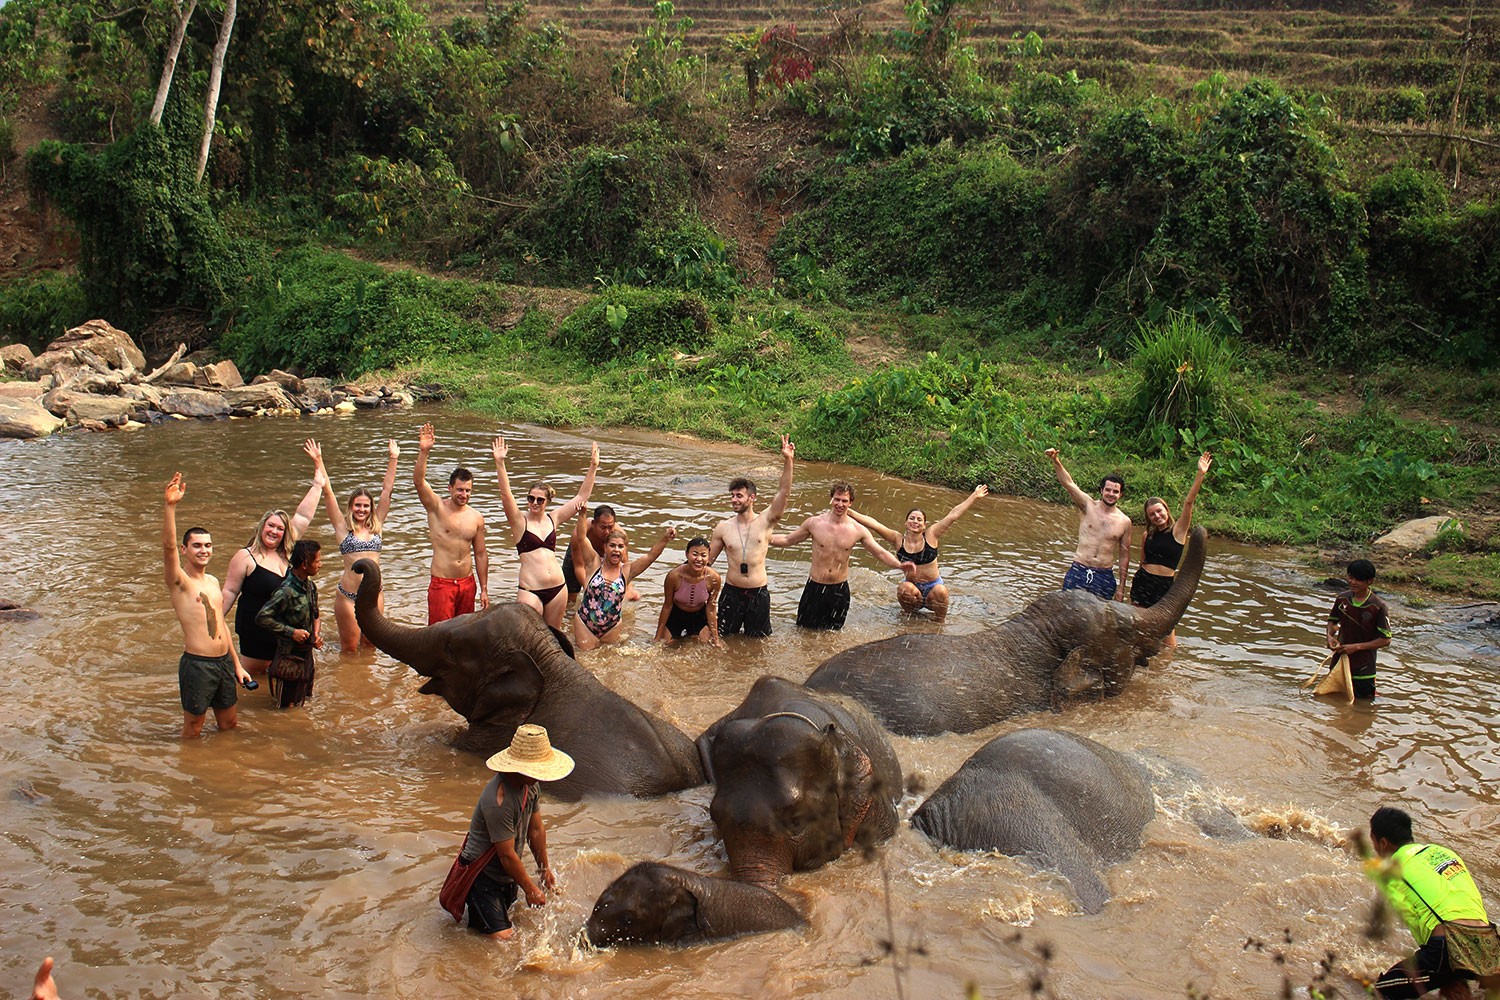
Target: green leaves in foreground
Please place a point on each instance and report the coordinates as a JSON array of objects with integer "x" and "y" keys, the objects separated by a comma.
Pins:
[{"x": 1185, "y": 370}]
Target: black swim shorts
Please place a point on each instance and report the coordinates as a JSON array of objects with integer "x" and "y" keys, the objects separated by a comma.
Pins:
[
  {"x": 206, "y": 682},
  {"x": 823, "y": 605},
  {"x": 1148, "y": 588},
  {"x": 489, "y": 904},
  {"x": 686, "y": 624},
  {"x": 750, "y": 609}
]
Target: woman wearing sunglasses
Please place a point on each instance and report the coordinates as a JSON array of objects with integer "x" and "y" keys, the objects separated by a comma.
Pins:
[{"x": 534, "y": 531}]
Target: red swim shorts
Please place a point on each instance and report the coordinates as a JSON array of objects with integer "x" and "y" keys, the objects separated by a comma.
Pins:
[{"x": 450, "y": 598}]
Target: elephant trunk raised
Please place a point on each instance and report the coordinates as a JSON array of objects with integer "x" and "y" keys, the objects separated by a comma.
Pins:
[{"x": 409, "y": 645}]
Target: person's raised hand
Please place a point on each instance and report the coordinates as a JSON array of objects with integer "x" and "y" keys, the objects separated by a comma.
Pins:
[
  {"x": 176, "y": 490},
  {"x": 426, "y": 437},
  {"x": 314, "y": 451},
  {"x": 45, "y": 988},
  {"x": 594, "y": 455},
  {"x": 981, "y": 491},
  {"x": 787, "y": 448},
  {"x": 1205, "y": 460},
  {"x": 499, "y": 450},
  {"x": 392, "y": 448},
  {"x": 1051, "y": 453},
  {"x": 671, "y": 533}
]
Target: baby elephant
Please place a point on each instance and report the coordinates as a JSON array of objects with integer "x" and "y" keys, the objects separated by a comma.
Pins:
[
  {"x": 1059, "y": 800},
  {"x": 659, "y": 904}
]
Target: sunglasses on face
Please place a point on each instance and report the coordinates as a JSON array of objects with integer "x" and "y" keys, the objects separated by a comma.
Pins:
[{"x": 536, "y": 499}]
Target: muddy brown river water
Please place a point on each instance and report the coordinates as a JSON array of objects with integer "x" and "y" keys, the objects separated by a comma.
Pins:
[{"x": 301, "y": 854}]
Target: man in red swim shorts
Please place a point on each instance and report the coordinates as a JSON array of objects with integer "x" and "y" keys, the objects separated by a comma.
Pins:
[{"x": 457, "y": 532}]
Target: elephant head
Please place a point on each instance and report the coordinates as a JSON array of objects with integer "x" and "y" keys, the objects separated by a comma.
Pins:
[
  {"x": 799, "y": 778},
  {"x": 659, "y": 904},
  {"x": 504, "y": 666}
]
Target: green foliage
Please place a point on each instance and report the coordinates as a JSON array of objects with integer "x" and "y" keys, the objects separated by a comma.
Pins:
[
  {"x": 387, "y": 200},
  {"x": 960, "y": 226},
  {"x": 36, "y": 310},
  {"x": 1406, "y": 104},
  {"x": 327, "y": 314},
  {"x": 623, "y": 320},
  {"x": 148, "y": 237},
  {"x": 656, "y": 65},
  {"x": 1185, "y": 388},
  {"x": 690, "y": 256}
]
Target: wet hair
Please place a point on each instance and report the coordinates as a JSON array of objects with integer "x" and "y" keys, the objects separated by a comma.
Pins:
[
  {"x": 1113, "y": 477},
  {"x": 1151, "y": 529},
  {"x": 602, "y": 510},
  {"x": 841, "y": 487},
  {"x": 303, "y": 552},
  {"x": 1362, "y": 569},
  {"x": 741, "y": 483},
  {"x": 374, "y": 524},
  {"x": 287, "y": 537},
  {"x": 1391, "y": 824},
  {"x": 694, "y": 543},
  {"x": 194, "y": 531},
  {"x": 460, "y": 473}
]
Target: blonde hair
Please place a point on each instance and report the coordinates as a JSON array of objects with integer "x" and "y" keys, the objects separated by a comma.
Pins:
[
  {"x": 288, "y": 535},
  {"x": 374, "y": 524}
]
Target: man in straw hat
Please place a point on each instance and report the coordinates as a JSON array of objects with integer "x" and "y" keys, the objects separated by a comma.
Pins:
[{"x": 507, "y": 808}]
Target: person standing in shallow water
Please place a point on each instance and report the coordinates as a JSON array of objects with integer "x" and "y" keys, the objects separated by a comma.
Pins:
[
  {"x": 209, "y": 667},
  {"x": 540, "y": 584},
  {"x": 359, "y": 532},
  {"x": 508, "y": 811},
  {"x": 918, "y": 544},
  {"x": 256, "y": 570},
  {"x": 1358, "y": 625},
  {"x": 1163, "y": 544},
  {"x": 1103, "y": 535},
  {"x": 291, "y": 614},
  {"x": 456, "y": 531},
  {"x": 745, "y": 600},
  {"x": 689, "y": 610}
]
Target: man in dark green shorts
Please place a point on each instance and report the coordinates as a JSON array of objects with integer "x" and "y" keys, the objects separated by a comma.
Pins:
[
  {"x": 209, "y": 667},
  {"x": 1358, "y": 625}
]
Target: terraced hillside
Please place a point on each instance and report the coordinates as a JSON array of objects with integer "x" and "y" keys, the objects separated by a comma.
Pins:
[{"x": 1375, "y": 60}]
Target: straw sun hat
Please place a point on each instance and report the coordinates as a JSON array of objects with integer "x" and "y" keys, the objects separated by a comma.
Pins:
[{"x": 532, "y": 754}]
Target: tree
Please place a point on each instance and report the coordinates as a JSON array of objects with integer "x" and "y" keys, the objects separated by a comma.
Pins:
[{"x": 215, "y": 76}]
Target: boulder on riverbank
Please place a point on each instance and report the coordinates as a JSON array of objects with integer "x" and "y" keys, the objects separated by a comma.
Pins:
[{"x": 94, "y": 377}]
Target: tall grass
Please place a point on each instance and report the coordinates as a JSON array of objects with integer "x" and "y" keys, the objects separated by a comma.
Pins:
[{"x": 1185, "y": 370}]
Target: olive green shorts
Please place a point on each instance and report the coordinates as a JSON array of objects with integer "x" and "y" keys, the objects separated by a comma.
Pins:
[{"x": 206, "y": 682}]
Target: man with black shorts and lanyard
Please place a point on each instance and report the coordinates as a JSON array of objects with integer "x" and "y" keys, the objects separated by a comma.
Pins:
[{"x": 745, "y": 601}]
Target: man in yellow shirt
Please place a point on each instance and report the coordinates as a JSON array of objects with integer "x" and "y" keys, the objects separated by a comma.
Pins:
[{"x": 1432, "y": 891}]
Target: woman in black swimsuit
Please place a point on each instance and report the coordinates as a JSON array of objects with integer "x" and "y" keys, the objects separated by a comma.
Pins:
[
  {"x": 534, "y": 534},
  {"x": 1161, "y": 549},
  {"x": 258, "y": 569},
  {"x": 919, "y": 545}
]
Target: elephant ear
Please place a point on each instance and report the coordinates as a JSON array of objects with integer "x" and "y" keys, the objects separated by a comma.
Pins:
[
  {"x": 679, "y": 916},
  {"x": 856, "y": 783}
]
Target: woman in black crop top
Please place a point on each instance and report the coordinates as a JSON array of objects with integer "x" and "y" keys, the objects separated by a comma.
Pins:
[
  {"x": 533, "y": 531},
  {"x": 1161, "y": 549},
  {"x": 919, "y": 545}
]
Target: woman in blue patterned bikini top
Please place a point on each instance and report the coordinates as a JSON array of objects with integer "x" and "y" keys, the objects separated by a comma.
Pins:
[{"x": 358, "y": 527}]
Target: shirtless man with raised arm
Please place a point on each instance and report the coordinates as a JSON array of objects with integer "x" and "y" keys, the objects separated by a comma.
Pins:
[
  {"x": 456, "y": 530},
  {"x": 209, "y": 667},
  {"x": 745, "y": 601},
  {"x": 1103, "y": 536},
  {"x": 825, "y": 596}
]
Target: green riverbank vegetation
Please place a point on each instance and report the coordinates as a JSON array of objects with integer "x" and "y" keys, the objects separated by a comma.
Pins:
[{"x": 917, "y": 248}]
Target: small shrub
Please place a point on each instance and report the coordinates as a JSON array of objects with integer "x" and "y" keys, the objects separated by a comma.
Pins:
[
  {"x": 1406, "y": 104},
  {"x": 36, "y": 310},
  {"x": 623, "y": 320},
  {"x": 1184, "y": 369}
]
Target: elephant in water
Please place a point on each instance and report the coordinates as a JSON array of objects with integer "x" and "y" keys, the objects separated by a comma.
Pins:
[
  {"x": 504, "y": 666},
  {"x": 1066, "y": 644},
  {"x": 659, "y": 904},
  {"x": 799, "y": 777},
  {"x": 1059, "y": 800}
]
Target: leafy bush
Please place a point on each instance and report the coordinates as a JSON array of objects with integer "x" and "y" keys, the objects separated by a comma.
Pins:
[
  {"x": 623, "y": 320},
  {"x": 324, "y": 313},
  {"x": 689, "y": 255},
  {"x": 1184, "y": 370},
  {"x": 36, "y": 310}
]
